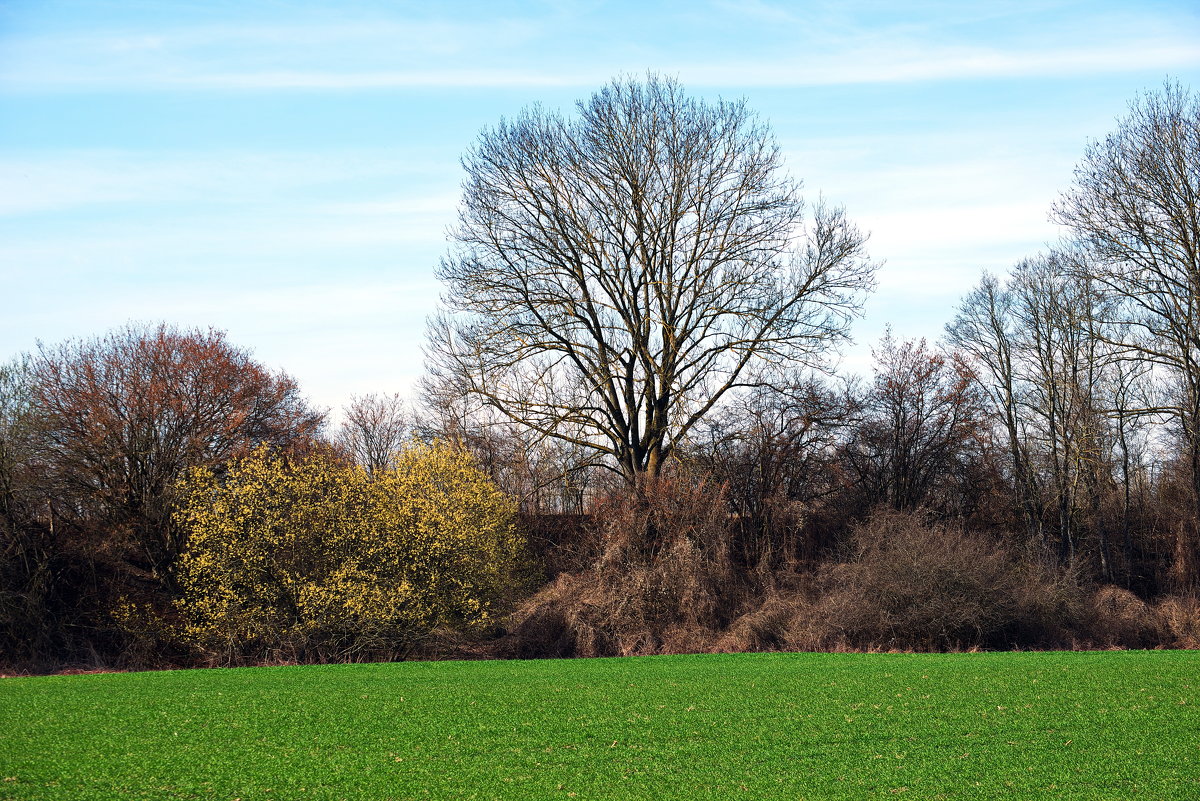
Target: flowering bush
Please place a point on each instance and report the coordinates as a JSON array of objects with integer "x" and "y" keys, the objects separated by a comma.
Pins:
[{"x": 315, "y": 559}]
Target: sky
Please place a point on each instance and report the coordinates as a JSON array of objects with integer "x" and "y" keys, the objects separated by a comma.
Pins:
[{"x": 286, "y": 171}]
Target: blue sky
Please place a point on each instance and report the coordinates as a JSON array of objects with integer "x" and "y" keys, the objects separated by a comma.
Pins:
[{"x": 286, "y": 170}]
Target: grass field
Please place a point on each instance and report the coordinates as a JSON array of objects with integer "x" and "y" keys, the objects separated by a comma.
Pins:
[{"x": 1014, "y": 725}]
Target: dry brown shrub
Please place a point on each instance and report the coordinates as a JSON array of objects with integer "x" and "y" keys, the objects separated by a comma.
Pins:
[
  {"x": 1180, "y": 617},
  {"x": 1122, "y": 620},
  {"x": 558, "y": 543},
  {"x": 661, "y": 582},
  {"x": 910, "y": 584},
  {"x": 764, "y": 628},
  {"x": 1051, "y": 606}
]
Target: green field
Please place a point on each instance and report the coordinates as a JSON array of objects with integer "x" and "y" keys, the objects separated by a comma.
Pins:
[{"x": 1015, "y": 725}]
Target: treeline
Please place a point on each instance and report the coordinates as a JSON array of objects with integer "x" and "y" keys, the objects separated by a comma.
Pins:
[
  {"x": 627, "y": 442},
  {"x": 1032, "y": 481},
  {"x": 168, "y": 501}
]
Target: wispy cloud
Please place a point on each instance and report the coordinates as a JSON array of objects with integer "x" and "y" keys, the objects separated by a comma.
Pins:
[
  {"x": 902, "y": 65},
  {"x": 773, "y": 13},
  {"x": 872, "y": 66},
  {"x": 381, "y": 52},
  {"x": 822, "y": 47},
  {"x": 906, "y": 65},
  {"x": 395, "y": 79}
]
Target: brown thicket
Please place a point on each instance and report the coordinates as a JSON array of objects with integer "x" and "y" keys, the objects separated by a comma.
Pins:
[
  {"x": 811, "y": 516},
  {"x": 776, "y": 450},
  {"x": 658, "y": 579},
  {"x": 912, "y": 584}
]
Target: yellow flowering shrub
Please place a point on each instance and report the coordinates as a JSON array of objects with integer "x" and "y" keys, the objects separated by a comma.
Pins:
[{"x": 316, "y": 559}]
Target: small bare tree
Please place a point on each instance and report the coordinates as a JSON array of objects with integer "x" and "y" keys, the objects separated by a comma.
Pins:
[
  {"x": 374, "y": 429},
  {"x": 921, "y": 424},
  {"x": 1058, "y": 313},
  {"x": 985, "y": 330},
  {"x": 615, "y": 274}
]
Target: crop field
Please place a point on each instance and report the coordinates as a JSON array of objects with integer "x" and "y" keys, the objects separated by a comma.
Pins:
[{"x": 796, "y": 726}]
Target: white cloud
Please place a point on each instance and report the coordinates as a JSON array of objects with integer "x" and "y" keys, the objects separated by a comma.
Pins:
[
  {"x": 395, "y": 79},
  {"x": 820, "y": 46},
  {"x": 935, "y": 229},
  {"x": 920, "y": 63},
  {"x": 869, "y": 66},
  {"x": 442, "y": 206},
  {"x": 759, "y": 10}
]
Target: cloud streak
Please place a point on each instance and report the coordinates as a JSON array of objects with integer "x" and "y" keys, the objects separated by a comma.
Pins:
[
  {"x": 903, "y": 65},
  {"x": 868, "y": 67},
  {"x": 513, "y": 52},
  {"x": 40, "y": 183}
]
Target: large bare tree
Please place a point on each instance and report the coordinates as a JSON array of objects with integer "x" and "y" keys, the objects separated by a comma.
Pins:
[{"x": 614, "y": 274}]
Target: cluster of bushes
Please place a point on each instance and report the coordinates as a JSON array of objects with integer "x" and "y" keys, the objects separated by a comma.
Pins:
[
  {"x": 901, "y": 581},
  {"x": 315, "y": 559},
  {"x": 166, "y": 500}
]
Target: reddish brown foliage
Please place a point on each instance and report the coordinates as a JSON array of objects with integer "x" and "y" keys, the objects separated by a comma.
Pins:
[
  {"x": 122, "y": 415},
  {"x": 924, "y": 418},
  {"x": 111, "y": 423}
]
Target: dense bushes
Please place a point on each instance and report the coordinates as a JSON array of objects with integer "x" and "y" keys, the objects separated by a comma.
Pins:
[
  {"x": 315, "y": 559},
  {"x": 911, "y": 584},
  {"x": 660, "y": 579},
  {"x": 662, "y": 582}
]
